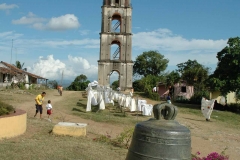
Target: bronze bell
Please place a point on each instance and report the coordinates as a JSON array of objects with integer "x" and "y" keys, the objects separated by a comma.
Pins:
[{"x": 158, "y": 139}]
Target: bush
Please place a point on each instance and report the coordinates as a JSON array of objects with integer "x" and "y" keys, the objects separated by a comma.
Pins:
[
  {"x": 233, "y": 107},
  {"x": 5, "y": 108},
  {"x": 186, "y": 101},
  {"x": 138, "y": 87},
  {"x": 122, "y": 140},
  {"x": 21, "y": 85},
  {"x": 195, "y": 99},
  {"x": 153, "y": 95}
]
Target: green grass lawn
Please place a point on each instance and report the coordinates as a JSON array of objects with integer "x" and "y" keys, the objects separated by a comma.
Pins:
[
  {"x": 39, "y": 143},
  {"x": 225, "y": 118}
]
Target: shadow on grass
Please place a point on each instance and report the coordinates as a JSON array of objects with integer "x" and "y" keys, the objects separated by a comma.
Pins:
[
  {"x": 57, "y": 95},
  {"x": 137, "y": 114},
  {"x": 120, "y": 115},
  {"x": 78, "y": 110},
  {"x": 83, "y": 107},
  {"x": 190, "y": 106},
  {"x": 195, "y": 119}
]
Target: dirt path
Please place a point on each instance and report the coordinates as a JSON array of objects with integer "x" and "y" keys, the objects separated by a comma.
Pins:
[
  {"x": 206, "y": 137},
  {"x": 93, "y": 129},
  {"x": 210, "y": 137}
]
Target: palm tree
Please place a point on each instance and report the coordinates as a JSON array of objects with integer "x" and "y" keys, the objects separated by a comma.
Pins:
[{"x": 18, "y": 64}]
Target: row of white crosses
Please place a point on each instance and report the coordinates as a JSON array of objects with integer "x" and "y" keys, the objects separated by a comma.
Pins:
[{"x": 101, "y": 95}]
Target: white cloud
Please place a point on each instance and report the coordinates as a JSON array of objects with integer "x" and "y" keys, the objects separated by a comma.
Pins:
[
  {"x": 53, "y": 69},
  {"x": 178, "y": 49},
  {"x": 80, "y": 66},
  {"x": 45, "y": 43},
  {"x": 29, "y": 19},
  {"x": 84, "y": 32},
  {"x": 164, "y": 39},
  {"x": 4, "y": 34},
  {"x": 64, "y": 22},
  {"x": 68, "y": 21},
  {"x": 4, "y": 6},
  {"x": 79, "y": 60},
  {"x": 48, "y": 67},
  {"x": 7, "y": 39},
  {"x": 87, "y": 43}
]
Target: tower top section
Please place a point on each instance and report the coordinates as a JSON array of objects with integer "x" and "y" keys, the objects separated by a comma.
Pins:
[{"x": 117, "y": 3}]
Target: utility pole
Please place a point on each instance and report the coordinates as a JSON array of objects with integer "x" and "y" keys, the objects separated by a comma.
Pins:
[
  {"x": 11, "y": 61},
  {"x": 16, "y": 53},
  {"x": 62, "y": 78},
  {"x": 11, "y": 52}
]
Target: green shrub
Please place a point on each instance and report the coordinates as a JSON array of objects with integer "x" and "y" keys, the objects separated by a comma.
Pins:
[
  {"x": 124, "y": 138},
  {"x": 183, "y": 101},
  {"x": 197, "y": 97},
  {"x": 152, "y": 95},
  {"x": 233, "y": 107},
  {"x": 5, "y": 108},
  {"x": 21, "y": 85},
  {"x": 155, "y": 96},
  {"x": 103, "y": 138}
]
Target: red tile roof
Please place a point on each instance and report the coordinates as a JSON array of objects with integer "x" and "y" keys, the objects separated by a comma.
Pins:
[{"x": 15, "y": 70}]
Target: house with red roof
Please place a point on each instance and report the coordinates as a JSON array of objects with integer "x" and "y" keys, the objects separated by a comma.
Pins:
[{"x": 11, "y": 74}]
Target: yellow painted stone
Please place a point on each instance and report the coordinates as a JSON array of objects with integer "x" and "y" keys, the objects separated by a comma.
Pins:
[
  {"x": 70, "y": 129},
  {"x": 13, "y": 125}
]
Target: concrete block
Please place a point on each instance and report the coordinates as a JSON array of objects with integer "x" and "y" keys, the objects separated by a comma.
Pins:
[{"x": 70, "y": 129}]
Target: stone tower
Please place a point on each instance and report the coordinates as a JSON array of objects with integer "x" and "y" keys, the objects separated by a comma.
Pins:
[{"x": 116, "y": 30}]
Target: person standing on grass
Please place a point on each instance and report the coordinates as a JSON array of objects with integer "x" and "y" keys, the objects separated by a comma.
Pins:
[
  {"x": 60, "y": 89},
  {"x": 169, "y": 99},
  {"x": 39, "y": 101},
  {"x": 49, "y": 109}
]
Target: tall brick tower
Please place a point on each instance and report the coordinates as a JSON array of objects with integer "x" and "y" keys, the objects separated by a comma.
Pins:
[{"x": 116, "y": 30}]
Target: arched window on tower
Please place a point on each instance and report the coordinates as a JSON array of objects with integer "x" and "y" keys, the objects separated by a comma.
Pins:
[
  {"x": 115, "y": 50},
  {"x": 116, "y": 23},
  {"x": 114, "y": 79},
  {"x": 117, "y": 3}
]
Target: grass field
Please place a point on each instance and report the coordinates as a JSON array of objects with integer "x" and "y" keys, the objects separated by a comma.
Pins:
[
  {"x": 39, "y": 143},
  {"x": 224, "y": 118}
]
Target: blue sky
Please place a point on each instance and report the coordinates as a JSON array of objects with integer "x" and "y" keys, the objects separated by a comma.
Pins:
[{"x": 62, "y": 36}]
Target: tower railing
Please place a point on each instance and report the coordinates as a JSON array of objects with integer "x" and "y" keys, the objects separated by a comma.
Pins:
[
  {"x": 116, "y": 53},
  {"x": 116, "y": 25}
]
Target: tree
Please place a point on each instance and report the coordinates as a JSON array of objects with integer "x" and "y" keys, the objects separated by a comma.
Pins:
[
  {"x": 81, "y": 78},
  {"x": 226, "y": 77},
  {"x": 53, "y": 84},
  {"x": 193, "y": 72},
  {"x": 115, "y": 85},
  {"x": 196, "y": 75},
  {"x": 147, "y": 83},
  {"x": 150, "y": 63},
  {"x": 80, "y": 83},
  {"x": 172, "y": 78},
  {"x": 18, "y": 64}
]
